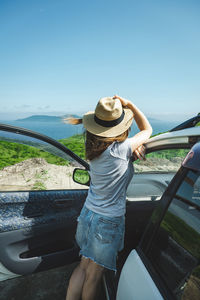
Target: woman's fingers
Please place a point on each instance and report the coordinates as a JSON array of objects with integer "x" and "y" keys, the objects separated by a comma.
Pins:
[
  {"x": 123, "y": 101},
  {"x": 140, "y": 153}
]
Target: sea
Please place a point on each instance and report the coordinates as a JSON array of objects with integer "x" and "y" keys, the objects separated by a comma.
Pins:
[{"x": 58, "y": 130}]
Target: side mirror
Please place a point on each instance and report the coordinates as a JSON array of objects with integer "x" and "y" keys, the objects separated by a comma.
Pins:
[{"x": 81, "y": 176}]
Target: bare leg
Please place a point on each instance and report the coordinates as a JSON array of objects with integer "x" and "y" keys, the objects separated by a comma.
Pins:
[
  {"x": 77, "y": 279},
  {"x": 92, "y": 281}
]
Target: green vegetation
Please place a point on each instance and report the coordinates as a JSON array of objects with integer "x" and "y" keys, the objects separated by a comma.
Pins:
[
  {"x": 185, "y": 235},
  {"x": 76, "y": 144},
  {"x": 41, "y": 175},
  {"x": 170, "y": 154},
  {"x": 12, "y": 153},
  {"x": 38, "y": 185},
  {"x": 82, "y": 176}
]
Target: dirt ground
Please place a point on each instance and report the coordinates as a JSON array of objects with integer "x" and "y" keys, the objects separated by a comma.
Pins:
[
  {"x": 37, "y": 174},
  {"x": 153, "y": 164}
]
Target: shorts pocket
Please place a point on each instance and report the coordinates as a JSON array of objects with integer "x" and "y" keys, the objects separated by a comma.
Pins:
[
  {"x": 79, "y": 232},
  {"x": 106, "y": 231}
]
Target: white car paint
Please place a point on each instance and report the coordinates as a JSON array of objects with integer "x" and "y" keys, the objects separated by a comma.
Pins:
[
  {"x": 174, "y": 137},
  {"x": 135, "y": 282}
]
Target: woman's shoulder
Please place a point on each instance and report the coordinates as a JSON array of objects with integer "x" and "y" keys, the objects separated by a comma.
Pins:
[
  {"x": 121, "y": 149},
  {"x": 125, "y": 144}
]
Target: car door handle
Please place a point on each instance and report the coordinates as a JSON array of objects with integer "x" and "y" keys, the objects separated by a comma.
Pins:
[
  {"x": 63, "y": 203},
  {"x": 34, "y": 215}
]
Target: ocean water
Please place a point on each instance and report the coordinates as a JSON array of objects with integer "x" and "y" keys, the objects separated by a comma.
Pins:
[{"x": 59, "y": 130}]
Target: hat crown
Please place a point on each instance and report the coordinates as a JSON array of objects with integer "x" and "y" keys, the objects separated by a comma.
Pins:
[
  {"x": 108, "y": 109},
  {"x": 109, "y": 119}
]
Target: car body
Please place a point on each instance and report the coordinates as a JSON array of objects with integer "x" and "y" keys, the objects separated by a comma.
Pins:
[
  {"x": 38, "y": 217},
  {"x": 166, "y": 263}
]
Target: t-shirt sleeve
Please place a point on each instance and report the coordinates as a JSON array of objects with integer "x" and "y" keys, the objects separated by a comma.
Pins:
[{"x": 122, "y": 150}]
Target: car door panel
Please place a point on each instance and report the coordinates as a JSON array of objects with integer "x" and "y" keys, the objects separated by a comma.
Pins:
[
  {"x": 40, "y": 233},
  {"x": 37, "y": 219},
  {"x": 148, "y": 186},
  {"x": 149, "y": 182}
]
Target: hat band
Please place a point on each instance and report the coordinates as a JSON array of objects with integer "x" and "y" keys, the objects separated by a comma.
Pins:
[{"x": 109, "y": 123}]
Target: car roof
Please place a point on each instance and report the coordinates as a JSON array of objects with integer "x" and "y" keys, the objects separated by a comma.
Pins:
[{"x": 174, "y": 137}]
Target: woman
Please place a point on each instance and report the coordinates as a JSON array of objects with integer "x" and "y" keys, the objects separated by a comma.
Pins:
[{"x": 100, "y": 230}]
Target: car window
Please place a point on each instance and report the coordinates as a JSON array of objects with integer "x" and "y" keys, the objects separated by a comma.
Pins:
[
  {"x": 28, "y": 163},
  {"x": 162, "y": 161},
  {"x": 175, "y": 250},
  {"x": 154, "y": 174}
]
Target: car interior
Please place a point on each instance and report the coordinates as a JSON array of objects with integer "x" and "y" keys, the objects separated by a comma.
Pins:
[{"x": 37, "y": 227}]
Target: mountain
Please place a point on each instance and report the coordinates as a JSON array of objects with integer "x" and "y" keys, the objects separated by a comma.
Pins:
[{"x": 45, "y": 118}]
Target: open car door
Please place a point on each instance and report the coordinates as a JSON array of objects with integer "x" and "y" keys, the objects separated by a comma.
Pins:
[
  {"x": 165, "y": 264},
  {"x": 39, "y": 205},
  {"x": 164, "y": 156}
]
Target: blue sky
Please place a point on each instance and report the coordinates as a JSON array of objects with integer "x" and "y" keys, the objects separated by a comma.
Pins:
[{"x": 61, "y": 56}]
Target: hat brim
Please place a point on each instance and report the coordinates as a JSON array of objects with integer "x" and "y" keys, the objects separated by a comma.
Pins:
[{"x": 91, "y": 126}]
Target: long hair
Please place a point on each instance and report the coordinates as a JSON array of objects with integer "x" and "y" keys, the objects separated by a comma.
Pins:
[{"x": 95, "y": 145}]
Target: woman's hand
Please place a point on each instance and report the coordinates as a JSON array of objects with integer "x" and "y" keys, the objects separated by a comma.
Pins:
[
  {"x": 139, "y": 153},
  {"x": 123, "y": 101}
]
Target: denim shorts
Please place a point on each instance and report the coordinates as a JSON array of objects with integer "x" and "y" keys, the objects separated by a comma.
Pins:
[{"x": 100, "y": 237}]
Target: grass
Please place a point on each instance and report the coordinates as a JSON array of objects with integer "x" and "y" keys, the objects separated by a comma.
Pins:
[
  {"x": 82, "y": 176},
  {"x": 76, "y": 144},
  {"x": 171, "y": 155},
  {"x": 185, "y": 235},
  {"x": 168, "y": 154},
  {"x": 38, "y": 185},
  {"x": 41, "y": 174},
  {"x": 13, "y": 152}
]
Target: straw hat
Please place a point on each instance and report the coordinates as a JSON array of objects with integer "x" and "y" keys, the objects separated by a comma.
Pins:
[{"x": 109, "y": 119}]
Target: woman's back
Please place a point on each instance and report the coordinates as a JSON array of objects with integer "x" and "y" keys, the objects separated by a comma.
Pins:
[{"x": 110, "y": 173}]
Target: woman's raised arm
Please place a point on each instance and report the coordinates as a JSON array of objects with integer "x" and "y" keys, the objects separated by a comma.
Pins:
[{"x": 141, "y": 121}]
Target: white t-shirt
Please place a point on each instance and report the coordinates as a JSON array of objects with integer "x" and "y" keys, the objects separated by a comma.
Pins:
[{"x": 110, "y": 173}]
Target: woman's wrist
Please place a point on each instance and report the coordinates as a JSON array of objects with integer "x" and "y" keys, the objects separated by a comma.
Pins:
[
  {"x": 123, "y": 101},
  {"x": 131, "y": 106}
]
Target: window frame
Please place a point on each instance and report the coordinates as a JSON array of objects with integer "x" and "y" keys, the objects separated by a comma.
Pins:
[
  {"x": 44, "y": 138},
  {"x": 152, "y": 229}
]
